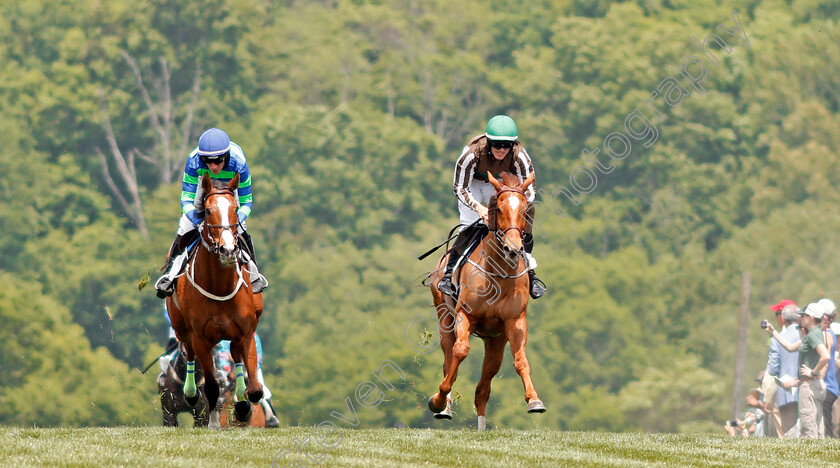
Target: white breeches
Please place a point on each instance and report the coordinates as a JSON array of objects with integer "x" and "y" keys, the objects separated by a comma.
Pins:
[{"x": 481, "y": 191}]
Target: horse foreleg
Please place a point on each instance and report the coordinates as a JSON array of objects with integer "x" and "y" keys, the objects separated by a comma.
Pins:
[
  {"x": 211, "y": 387},
  {"x": 460, "y": 350},
  {"x": 244, "y": 354},
  {"x": 494, "y": 353},
  {"x": 446, "y": 328},
  {"x": 517, "y": 333},
  {"x": 255, "y": 388}
]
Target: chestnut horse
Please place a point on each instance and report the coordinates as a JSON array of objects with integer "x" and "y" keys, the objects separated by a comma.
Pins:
[
  {"x": 492, "y": 302},
  {"x": 213, "y": 301}
]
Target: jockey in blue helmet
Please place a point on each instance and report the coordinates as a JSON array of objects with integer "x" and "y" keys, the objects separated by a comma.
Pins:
[
  {"x": 497, "y": 150},
  {"x": 222, "y": 159}
]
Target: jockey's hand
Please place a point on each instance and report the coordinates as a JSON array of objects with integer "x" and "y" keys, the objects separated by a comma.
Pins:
[
  {"x": 240, "y": 216},
  {"x": 482, "y": 212},
  {"x": 194, "y": 217}
]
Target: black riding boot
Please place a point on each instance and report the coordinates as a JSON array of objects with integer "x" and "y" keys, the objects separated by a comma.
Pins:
[
  {"x": 445, "y": 284},
  {"x": 257, "y": 283},
  {"x": 537, "y": 286},
  {"x": 165, "y": 285},
  {"x": 170, "y": 346}
]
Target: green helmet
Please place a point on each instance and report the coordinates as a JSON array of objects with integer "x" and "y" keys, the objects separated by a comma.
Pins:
[{"x": 501, "y": 127}]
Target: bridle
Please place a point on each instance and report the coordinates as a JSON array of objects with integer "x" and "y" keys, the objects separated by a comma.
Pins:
[
  {"x": 206, "y": 239},
  {"x": 501, "y": 234},
  {"x": 213, "y": 247}
]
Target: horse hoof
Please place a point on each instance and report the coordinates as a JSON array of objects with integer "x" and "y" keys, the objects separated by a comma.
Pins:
[
  {"x": 191, "y": 401},
  {"x": 255, "y": 397},
  {"x": 536, "y": 406},
  {"x": 242, "y": 410},
  {"x": 432, "y": 407},
  {"x": 445, "y": 412}
]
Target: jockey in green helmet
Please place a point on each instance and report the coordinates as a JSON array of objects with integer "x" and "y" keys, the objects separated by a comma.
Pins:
[{"x": 497, "y": 150}]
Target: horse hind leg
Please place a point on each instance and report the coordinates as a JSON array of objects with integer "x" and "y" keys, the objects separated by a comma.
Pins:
[{"x": 494, "y": 353}]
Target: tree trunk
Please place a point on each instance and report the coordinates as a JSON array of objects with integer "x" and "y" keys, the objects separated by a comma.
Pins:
[{"x": 741, "y": 353}]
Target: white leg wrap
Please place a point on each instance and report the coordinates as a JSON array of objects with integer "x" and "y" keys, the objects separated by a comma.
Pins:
[
  {"x": 164, "y": 362},
  {"x": 482, "y": 423},
  {"x": 266, "y": 408},
  {"x": 177, "y": 263},
  {"x": 214, "y": 420},
  {"x": 266, "y": 391}
]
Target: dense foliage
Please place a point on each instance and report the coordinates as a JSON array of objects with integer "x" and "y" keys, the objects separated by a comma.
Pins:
[{"x": 351, "y": 115}]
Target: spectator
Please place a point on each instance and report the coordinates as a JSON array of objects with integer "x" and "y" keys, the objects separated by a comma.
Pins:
[
  {"x": 813, "y": 357},
  {"x": 752, "y": 422},
  {"x": 835, "y": 414},
  {"x": 782, "y": 364},
  {"x": 778, "y": 308},
  {"x": 830, "y": 373}
]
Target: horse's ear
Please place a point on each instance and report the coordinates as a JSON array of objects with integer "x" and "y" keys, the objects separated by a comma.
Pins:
[
  {"x": 493, "y": 181},
  {"x": 528, "y": 181},
  {"x": 206, "y": 183},
  {"x": 234, "y": 183}
]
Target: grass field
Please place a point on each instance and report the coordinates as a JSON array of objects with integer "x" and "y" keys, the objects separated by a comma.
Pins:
[{"x": 159, "y": 447}]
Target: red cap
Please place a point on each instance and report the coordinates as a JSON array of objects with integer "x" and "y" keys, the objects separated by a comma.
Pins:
[{"x": 781, "y": 305}]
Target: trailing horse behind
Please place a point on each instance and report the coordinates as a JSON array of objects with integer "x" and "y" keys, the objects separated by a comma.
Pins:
[
  {"x": 172, "y": 394},
  {"x": 492, "y": 302},
  {"x": 213, "y": 301}
]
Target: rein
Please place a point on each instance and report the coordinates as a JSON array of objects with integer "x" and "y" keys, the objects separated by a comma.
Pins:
[
  {"x": 497, "y": 275},
  {"x": 214, "y": 249},
  {"x": 189, "y": 273},
  {"x": 499, "y": 234}
]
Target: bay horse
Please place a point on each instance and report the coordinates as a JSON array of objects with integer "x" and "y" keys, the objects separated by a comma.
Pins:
[
  {"x": 213, "y": 301},
  {"x": 492, "y": 302},
  {"x": 172, "y": 394}
]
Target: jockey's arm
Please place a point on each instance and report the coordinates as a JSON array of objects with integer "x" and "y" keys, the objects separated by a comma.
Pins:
[
  {"x": 525, "y": 167},
  {"x": 464, "y": 172},
  {"x": 189, "y": 188},
  {"x": 244, "y": 194}
]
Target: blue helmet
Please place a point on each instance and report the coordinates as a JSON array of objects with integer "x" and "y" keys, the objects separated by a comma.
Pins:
[{"x": 213, "y": 142}]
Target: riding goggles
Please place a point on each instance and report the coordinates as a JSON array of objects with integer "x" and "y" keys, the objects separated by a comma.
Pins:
[
  {"x": 215, "y": 159},
  {"x": 501, "y": 144}
]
